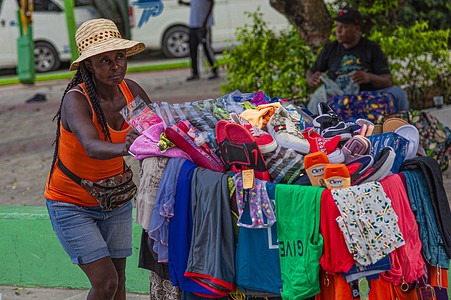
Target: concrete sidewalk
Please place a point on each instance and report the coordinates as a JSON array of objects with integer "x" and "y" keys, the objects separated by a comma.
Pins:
[{"x": 19, "y": 293}]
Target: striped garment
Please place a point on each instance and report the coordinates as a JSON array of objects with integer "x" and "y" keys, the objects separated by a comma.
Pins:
[{"x": 284, "y": 165}]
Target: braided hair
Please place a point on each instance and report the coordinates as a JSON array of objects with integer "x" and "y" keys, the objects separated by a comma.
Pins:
[{"x": 85, "y": 76}]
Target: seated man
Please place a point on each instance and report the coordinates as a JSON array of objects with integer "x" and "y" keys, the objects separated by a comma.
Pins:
[{"x": 352, "y": 52}]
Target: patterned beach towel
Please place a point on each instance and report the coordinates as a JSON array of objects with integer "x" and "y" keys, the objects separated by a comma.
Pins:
[{"x": 368, "y": 105}]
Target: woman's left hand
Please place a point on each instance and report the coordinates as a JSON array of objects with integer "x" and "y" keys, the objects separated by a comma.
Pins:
[{"x": 130, "y": 138}]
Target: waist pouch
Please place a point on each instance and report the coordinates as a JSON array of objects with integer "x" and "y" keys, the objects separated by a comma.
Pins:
[{"x": 112, "y": 192}]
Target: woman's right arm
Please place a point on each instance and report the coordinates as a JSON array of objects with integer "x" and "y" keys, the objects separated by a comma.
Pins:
[{"x": 76, "y": 117}]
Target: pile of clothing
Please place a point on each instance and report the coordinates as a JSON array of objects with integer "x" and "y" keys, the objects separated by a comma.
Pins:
[{"x": 257, "y": 193}]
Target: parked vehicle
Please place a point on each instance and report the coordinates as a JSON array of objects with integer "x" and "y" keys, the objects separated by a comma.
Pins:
[
  {"x": 163, "y": 24},
  {"x": 49, "y": 32}
]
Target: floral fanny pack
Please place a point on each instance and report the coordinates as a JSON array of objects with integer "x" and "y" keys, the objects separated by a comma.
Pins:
[{"x": 112, "y": 192}]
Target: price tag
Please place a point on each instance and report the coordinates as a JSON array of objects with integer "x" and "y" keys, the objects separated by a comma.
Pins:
[
  {"x": 441, "y": 293},
  {"x": 363, "y": 288},
  {"x": 248, "y": 179}
]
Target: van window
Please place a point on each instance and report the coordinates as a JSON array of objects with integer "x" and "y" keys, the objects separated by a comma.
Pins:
[
  {"x": 48, "y": 5},
  {"x": 45, "y": 5},
  {"x": 82, "y": 2}
]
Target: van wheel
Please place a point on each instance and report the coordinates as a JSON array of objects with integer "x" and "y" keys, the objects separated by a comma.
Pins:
[
  {"x": 176, "y": 42},
  {"x": 45, "y": 57}
]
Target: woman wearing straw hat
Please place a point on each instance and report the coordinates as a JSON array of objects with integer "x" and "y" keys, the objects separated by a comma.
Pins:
[{"x": 91, "y": 140}]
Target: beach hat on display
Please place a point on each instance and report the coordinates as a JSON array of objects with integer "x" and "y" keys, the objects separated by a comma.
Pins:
[
  {"x": 410, "y": 133},
  {"x": 392, "y": 124},
  {"x": 99, "y": 36}
]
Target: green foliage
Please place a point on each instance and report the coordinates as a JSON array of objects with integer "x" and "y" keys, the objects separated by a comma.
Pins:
[
  {"x": 377, "y": 7},
  {"x": 436, "y": 12},
  {"x": 419, "y": 58},
  {"x": 376, "y": 14},
  {"x": 379, "y": 15},
  {"x": 275, "y": 63}
]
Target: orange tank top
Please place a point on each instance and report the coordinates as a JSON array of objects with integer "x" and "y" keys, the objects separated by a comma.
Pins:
[{"x": 75, "y": 158}]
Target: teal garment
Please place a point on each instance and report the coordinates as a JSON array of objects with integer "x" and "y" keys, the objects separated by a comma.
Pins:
[
  {"x": 420, "y": 202},
  {"x": 300, "y": 243},
  {"x": 257, "y": 256}
]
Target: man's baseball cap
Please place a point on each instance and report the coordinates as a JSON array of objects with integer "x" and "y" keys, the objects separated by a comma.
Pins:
[{"x": 349, "y": 15}]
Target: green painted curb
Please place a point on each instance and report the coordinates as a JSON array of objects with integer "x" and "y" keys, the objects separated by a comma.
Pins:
[
  {"x": 32, "y": 256},
  {"x": 130, "y": 69},
  {"x": 160, "y": 67},
  {"x": 69, "y": 75}
]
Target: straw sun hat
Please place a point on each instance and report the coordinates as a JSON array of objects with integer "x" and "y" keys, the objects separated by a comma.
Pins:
[
  {"x": 99, "y": 36},
  {"x": 392, "y": 124}
]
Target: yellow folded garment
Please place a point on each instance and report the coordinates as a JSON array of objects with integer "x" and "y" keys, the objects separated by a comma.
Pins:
[{"x": 260, "y": 116}]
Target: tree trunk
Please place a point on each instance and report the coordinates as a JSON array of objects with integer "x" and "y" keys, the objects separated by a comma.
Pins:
[
  {"x": 116, "y": 11},
  {"x": 310, "y": 18}
]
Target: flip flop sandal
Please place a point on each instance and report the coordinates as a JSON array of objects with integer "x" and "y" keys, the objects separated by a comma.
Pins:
[
  {"x": 187, "y": 127},
  {"x": 370, "y": 130},
  {"x": 363, "y": 121},
  {"x": 242, "y": 150},
  {"x": 359, "y": 167},
  {"x": 355, "y": 148},
  {"x": 381, "y": 167},
  {"x": 187, "y": 144},
  {"x": 221, "y": 137},
  {"x": 220, "y": 131},
  {"x": 363, "y": 129}
]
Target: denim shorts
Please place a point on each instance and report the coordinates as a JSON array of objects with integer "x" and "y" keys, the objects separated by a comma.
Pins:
[{"x": 88, "y": 234}]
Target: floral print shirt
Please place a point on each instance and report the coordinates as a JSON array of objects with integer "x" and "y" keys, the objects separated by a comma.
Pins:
[{"x": 368, "y": 222}]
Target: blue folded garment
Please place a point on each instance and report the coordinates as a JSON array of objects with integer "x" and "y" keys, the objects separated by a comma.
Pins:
[{"x": 370, "y": 272}]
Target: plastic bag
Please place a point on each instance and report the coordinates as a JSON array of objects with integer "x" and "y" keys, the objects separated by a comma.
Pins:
[{"x": 139, "y": 115}]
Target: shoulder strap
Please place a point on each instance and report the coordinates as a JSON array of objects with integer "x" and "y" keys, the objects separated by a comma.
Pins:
[
  {"x": 78, "y": 91},
  {"x": 71, "y": 175},
  {"x": 68, "y": 172},
  {"x": 85, "y": 91},
  {"x": 126, "y": 91}
]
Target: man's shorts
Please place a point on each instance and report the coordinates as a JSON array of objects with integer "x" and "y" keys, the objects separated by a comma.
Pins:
[{"x": 88, "y": 234}]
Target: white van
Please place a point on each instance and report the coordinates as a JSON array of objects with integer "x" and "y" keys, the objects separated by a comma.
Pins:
[
  {"x": 163, "y": 24},
  {"x": 49, "y": 32}
]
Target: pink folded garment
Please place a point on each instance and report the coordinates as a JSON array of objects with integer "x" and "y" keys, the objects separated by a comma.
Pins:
[{"x": 146, "y": 145}]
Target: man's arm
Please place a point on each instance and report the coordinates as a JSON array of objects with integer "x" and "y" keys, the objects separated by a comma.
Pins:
[
  {"x": 380, "y": 77},
  {"x": 313, "y": 79},
  {"x": 313, "y": 75},
  {"x": 378, "y": 81},
  {"x": 210, "y": 9}
]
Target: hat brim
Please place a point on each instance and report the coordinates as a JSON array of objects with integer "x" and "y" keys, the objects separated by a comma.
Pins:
[
  {"x": 410, "y": 133},
  {"x": 347, "y": 20},
  {"x": 392, "y": 124},
  {"x": 130, "y": 47}
]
